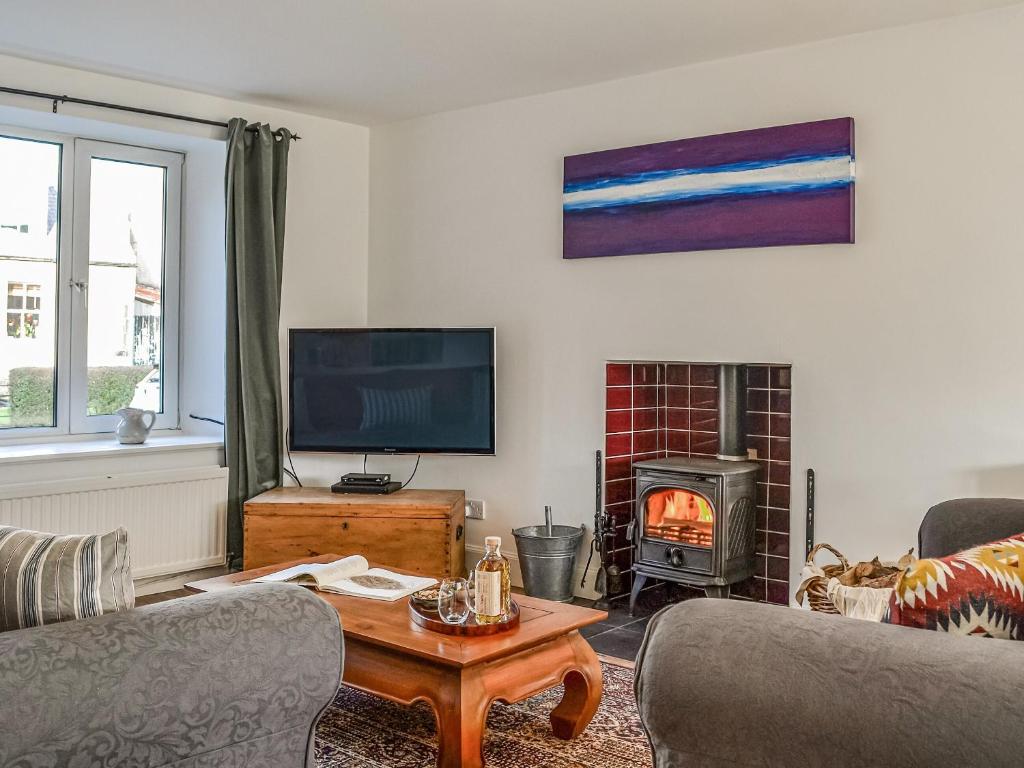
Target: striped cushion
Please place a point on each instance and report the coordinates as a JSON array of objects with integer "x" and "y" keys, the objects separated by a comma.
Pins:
[
  {"x": 384, "y": 408},
  {"x": 45, "y": 577}
]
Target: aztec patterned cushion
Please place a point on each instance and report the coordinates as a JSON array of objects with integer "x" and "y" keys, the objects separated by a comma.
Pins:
[
  {"x": 979, "y": 591},
  {"x": 45, "y": 577}
]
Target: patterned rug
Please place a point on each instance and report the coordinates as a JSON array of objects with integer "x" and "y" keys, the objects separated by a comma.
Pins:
[{"x": 362, "y": 731}]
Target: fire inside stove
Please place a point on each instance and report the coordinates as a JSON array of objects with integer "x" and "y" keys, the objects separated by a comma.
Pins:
[{"x": 678, "y": 515}]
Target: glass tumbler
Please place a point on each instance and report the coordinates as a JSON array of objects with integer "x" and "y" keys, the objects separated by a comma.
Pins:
[{"x": 453, "y": 601}]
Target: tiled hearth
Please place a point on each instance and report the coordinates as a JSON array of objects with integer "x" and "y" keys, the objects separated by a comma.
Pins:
[{"x": 659, "y": 409}]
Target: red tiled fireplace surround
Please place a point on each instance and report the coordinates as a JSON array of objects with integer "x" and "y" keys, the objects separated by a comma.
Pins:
[{"x": 661, "y": 409}]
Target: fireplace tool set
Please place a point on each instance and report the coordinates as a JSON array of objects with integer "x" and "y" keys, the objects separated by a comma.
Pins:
[{"x": 608, "y": 580}]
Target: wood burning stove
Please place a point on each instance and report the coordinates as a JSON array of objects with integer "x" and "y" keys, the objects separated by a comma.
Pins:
[
  {"x": 694, "y": 523},
  {"x": 695, "y": 517}
]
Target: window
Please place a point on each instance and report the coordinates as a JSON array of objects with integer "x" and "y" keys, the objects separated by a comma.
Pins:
[{"x": 89, "y": 255}]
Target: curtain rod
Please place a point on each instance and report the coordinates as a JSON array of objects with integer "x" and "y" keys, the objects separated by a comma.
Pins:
[{"x": 55, "y": 98}]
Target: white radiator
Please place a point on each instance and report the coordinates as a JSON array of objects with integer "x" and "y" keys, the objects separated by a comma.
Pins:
[{"x": 176, "y": 519}]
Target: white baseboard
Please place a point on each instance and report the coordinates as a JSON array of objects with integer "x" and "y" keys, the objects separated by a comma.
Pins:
[{"x": 474, "y": 553}]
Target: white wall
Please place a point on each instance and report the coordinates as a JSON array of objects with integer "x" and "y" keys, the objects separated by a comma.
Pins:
[
  {"x": 326, "y": 230},
  {"x": 906, "y": 347}
]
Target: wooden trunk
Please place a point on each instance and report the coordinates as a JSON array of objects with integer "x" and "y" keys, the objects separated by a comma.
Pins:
[{"x": 418, "y": 531}]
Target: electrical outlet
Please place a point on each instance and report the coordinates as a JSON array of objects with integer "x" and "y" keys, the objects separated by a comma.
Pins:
[{"x": 475, "y": 509}]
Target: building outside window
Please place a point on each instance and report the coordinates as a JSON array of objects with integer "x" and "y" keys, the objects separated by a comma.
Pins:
[
  {"x": 89, "y": 256},
  {"x": 23, "y": 300}
]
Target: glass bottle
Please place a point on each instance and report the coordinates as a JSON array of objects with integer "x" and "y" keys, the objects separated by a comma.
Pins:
[{"x": 493, "y": 584}]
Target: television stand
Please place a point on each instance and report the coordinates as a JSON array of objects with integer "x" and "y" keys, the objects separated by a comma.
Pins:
[{"x": 420, "y": 531}]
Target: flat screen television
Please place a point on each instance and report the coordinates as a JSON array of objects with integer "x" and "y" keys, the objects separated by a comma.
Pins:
[{"x": 391, "y": 390}]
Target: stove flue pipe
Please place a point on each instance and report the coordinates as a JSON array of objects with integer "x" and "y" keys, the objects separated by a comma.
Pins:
[{"x": 732, "y": 412}]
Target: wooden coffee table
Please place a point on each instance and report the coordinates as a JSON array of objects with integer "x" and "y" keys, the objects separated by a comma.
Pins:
[{"x": 389, "y": 656}]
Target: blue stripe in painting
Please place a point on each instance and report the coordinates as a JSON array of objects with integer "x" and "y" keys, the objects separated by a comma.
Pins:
[
  {"x": 640, "y": 178},
  {"x": 744, "y": 190}
]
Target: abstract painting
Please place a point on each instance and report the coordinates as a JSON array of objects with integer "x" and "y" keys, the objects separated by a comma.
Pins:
[{"x": 786, "y": 185}]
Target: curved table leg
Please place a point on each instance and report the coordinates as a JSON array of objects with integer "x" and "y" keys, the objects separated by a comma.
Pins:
[
  {"x": 462, "y": 697},
  {"x": 461, "y": 708},
  {"x": 582, "y": 692}
]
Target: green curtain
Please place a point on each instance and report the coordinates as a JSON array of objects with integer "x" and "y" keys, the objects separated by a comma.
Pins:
[{"x": 255, "y": 188}]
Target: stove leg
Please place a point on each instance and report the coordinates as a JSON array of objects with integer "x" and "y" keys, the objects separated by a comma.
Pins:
[
  {"x": 716, "y": 591},
  {"x": 638, "y": 583}
]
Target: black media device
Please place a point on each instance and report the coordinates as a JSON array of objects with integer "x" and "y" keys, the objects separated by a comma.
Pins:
[
  {"x": 343, "y": 487},
  {"x": 391, "y": 390},
  {"x": 364, "y": 478}
]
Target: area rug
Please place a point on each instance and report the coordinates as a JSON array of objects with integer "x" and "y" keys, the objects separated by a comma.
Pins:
[{"x": 363, "y": 731}]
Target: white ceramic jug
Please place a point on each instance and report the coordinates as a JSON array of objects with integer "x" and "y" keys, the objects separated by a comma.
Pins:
[{"x": 133, "y": 429}]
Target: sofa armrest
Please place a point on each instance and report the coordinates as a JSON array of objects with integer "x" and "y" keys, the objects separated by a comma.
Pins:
[
  {"x": 725, "y": 683},
  {"x": 233, "y": 677}
]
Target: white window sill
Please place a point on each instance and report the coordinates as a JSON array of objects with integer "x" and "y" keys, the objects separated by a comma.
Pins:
[{"x": 103, "y": 446}]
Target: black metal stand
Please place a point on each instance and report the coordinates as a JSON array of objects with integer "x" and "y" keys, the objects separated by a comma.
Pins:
[{"x": 809, "y": 528}]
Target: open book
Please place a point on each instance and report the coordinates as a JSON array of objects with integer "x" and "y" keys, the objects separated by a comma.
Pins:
[{"x": 352, "y": 576}]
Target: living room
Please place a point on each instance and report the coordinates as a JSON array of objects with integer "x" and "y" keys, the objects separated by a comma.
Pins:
[{"x": 339, "y": 176}]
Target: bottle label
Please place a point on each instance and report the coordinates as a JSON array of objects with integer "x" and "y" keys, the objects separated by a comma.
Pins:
[{"x": 488, "y": 593}]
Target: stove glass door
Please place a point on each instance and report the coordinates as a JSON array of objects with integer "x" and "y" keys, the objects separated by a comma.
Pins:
[{"x": 680, "y": 515}]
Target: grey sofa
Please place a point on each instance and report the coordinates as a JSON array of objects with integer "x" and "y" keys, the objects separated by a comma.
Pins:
[
  {"x": 726, "y": 683},
  {"x": 232, "y": 678}
]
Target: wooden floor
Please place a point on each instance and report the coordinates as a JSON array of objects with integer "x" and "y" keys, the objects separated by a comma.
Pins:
[{"x": 160, "y": 597}]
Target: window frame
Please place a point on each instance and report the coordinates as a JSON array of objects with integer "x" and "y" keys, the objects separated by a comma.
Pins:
[
  {"x": 62, "y": 291},
  {"x": 85, "y": 151},
  {"x": 71, "y": 373}
]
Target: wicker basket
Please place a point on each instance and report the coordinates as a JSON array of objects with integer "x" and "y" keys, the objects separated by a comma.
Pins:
[
  {"x": 873, "y": 574},
  {"x": 816, "y": 587}
]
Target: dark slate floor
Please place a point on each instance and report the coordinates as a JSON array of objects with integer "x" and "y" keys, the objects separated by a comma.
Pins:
[{"x": 620, "y": 634}]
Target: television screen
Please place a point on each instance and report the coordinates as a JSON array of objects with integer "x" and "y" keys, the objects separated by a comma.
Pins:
[{"x": 393, "y": 390}]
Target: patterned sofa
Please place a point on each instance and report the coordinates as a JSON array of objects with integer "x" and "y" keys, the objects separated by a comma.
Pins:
[
  {"x": 724, "y": 683},
  {"x": 238, "y": 677}
]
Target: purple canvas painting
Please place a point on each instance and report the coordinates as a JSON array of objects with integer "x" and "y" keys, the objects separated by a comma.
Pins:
[{"x": 787, "y": 185}]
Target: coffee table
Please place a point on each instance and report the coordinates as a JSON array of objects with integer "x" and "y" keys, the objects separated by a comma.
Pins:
[{"x": 389, "y": 656}]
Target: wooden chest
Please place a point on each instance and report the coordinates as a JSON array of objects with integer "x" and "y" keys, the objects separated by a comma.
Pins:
[{"x": 419, "y": 531}]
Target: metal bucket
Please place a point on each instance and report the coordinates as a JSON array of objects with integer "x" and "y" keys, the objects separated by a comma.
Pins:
[{"x": 548, "y": 562}]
